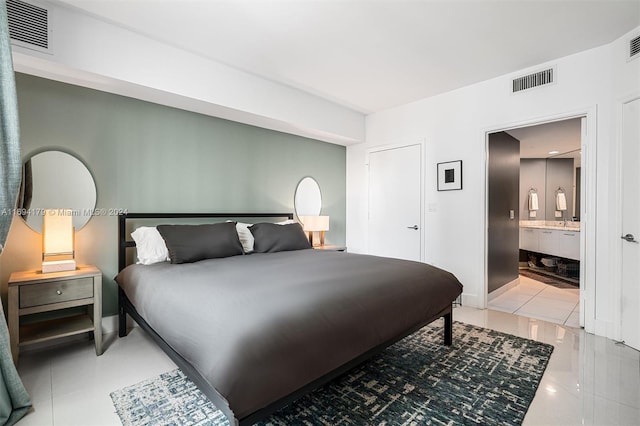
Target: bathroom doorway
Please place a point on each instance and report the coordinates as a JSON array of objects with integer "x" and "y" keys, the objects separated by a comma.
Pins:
[{"x": 539, "y": 269}]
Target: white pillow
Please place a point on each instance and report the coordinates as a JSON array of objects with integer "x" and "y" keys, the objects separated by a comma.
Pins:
[
  {"x": 150, "y": 245},
  {"x": 245, "y": 236}
]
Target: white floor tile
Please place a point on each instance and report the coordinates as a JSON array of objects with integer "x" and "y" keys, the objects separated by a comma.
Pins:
[
  {"x": 529, "y": 287},
  {"x": 558, "y": 310},
  {"x": 508, "y": 309},
  {"x": 559, "y": 294},
  {"x": 589, "y": 380},
  {"x": 535, "y": 299},
  {"x": 573, "y": 320},
  {"x": 36, "y": 376},
  {"x": 509, "y": 302},
  {"x": 96, "y": 409},
  {"x": 41, "y": 414}
]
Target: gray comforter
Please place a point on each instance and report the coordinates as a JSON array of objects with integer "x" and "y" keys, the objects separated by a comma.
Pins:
[{"x": 260, "y": 326}]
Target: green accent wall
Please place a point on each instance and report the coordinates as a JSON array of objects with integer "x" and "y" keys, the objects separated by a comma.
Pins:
[{"x": 147, "y": 157}]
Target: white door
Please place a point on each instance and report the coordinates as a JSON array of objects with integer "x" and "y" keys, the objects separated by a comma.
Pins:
[
  {"x": 631, "y": 224},
  {"x": 395, "y": 199}
]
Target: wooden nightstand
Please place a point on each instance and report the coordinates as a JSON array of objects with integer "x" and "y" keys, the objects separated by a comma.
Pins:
[
  {"x": 330, "y": 248},
  {"x": 33, "y": 292}
]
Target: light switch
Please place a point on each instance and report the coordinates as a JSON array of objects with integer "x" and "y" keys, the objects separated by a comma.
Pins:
[
  {"x": 533, "y": 213},
  {"x": 558, "y": 213},
  {"x": 512, "y": 214}
]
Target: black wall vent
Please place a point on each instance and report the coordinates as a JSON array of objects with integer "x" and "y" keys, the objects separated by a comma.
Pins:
[
  {"x": 28, "y": 24},
  {"x": 533, "y": 80},
  {"x": 634, "y": 48}
]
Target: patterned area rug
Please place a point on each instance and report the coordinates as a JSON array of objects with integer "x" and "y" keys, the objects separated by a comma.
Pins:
[{"x": 486, "y": 378}]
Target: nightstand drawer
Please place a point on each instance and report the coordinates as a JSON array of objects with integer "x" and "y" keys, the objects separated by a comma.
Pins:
[{"x": 55, "y": 292}]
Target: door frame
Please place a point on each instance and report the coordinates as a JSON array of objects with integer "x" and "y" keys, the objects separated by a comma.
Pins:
[
  {"x": 617, "y": 248},
  {"x": 422, "y": 144},
  {"x": 588, "y": 219}
]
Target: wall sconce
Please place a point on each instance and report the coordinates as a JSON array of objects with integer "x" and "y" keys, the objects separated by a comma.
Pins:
[
  {"x": 57, "y": 241},
  {"x": 313, "y": 224}
]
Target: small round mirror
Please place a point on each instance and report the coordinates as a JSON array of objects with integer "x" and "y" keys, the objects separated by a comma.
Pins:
[
  {"x": 308, "y": 199},
  {"x": 56, "y": 180}
]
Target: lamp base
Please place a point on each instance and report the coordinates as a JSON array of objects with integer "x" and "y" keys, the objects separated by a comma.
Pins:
[
  {"x": 58, "y": 266},
  {"x": 313, "y": 241}
]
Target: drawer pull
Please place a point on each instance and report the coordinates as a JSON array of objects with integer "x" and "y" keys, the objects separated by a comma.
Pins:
[{"x": 58, "y": 292}]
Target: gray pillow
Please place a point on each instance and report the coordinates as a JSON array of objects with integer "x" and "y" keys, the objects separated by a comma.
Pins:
[
  {"x": 191, "y": 243},
  {"x": 271, "y": 238}
]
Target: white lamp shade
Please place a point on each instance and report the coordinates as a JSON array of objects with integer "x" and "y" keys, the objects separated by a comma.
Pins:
[
  {"x": 57, "y": 233},
  {"x": 315, "y": 223}
]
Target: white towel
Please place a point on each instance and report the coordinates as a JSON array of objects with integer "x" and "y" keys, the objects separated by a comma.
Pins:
[
  {"x": 533, "y": 201},
  {"x": 561, "y": 201}
]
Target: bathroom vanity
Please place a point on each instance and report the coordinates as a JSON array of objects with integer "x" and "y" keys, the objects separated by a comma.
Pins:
[{"x": 553, "y": 238}]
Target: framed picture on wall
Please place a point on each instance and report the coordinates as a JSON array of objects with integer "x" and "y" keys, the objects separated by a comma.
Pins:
[{"x": 450, "y": 175}]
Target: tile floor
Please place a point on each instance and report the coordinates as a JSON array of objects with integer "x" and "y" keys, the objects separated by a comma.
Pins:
[
  {"x": 534, "y": 299},
  {"x": 589, "y": 381}
]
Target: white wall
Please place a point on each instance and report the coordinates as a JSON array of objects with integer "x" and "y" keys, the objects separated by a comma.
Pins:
[
  {"x": 626, "y": 85},
  {"x": 454, "y": 125},
  {"x": 93, "y": 53}
]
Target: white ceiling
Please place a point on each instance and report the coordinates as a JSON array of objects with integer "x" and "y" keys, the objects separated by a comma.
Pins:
[
  {"x": 372, "y": 55},
  {"x": 537, "y": 141}
]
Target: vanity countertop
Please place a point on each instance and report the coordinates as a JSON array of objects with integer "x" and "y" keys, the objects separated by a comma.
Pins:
[{"x": 555, "y": 224}]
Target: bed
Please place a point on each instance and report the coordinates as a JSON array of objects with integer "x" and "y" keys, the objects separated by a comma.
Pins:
[{"x": 255, "y": 332}]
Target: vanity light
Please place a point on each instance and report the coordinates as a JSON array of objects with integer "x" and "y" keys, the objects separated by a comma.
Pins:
[
  {"x": 57, "y": 241},
  {"x": 313, "y": 224},
  {"x": 554, "y": 152}
]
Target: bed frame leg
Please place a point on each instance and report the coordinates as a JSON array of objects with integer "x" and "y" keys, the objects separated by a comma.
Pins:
[
  {"x": 122, "y": 315},
  {"x": 448, "y": 329}
]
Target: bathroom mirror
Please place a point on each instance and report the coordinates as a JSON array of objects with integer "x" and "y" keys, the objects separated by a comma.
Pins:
[
  {"x": 560, "y": 177},
  {"x": 547, "y": 176},
  {"x": 307, "y": 199},
  {"x": 56, "y": 180},
  {"x": 569, "y": 165}
]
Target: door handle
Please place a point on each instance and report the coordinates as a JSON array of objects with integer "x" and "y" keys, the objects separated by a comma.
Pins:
[
  {"x": 415, "y": 227},
  {"x": 630, "y": 238}
]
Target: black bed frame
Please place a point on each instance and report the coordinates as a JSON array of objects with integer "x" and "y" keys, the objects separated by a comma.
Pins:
[{"x": 126, "y": 307}]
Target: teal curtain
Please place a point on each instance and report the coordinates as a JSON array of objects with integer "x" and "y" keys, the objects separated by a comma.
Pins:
[
  {"x": 14, "y": 399},
  {"x": 10, "y": 162}
]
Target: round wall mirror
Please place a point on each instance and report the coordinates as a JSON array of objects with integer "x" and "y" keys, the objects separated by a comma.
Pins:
[
  {"x": 308, "y": 199},
  {"x": 56, "y": 180}
]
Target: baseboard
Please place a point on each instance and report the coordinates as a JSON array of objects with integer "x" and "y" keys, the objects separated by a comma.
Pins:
[
  {"x": 471, "y": 300},
  {"x": 605, "y": 328},
  {"x": 110, "y": 324},
  {"x": 508, "y": 286}
]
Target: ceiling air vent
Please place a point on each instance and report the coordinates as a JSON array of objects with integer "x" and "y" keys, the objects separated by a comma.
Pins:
[
  {"x": 634, "y": 48},
  {"x": 28, "y": 25},
  {"x": 533, "y": 80}
]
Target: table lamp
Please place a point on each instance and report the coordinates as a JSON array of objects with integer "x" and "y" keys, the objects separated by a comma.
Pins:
[
  {"x": 57, "y": 241},
  {"x": 313, "y": 224}
]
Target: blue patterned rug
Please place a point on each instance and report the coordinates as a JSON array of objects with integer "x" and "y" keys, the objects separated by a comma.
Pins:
[{"x": 486, "y": 378}]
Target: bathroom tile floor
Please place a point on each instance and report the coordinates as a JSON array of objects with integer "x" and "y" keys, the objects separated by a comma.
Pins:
[{"x": 534, "y": 299}]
